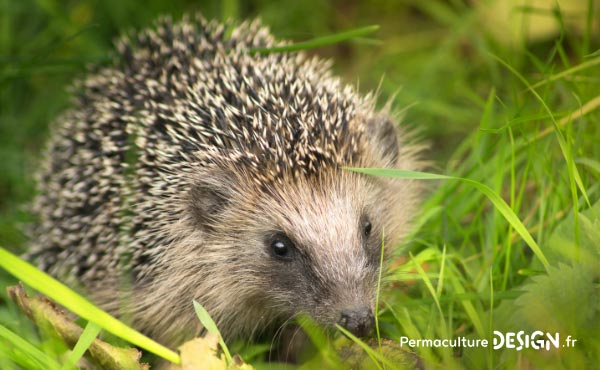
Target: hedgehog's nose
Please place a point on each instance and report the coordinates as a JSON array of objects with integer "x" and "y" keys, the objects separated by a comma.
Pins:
[{"x": 359, "y": 321}]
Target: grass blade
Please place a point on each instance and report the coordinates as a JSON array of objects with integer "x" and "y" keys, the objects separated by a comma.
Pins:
[
  {"x": 381, "y": 255},
  {"x": 43, "y": 360},
  {"x": 432, "y": 291},
  {"x": 377, "y": 358},
  {"x": 496, "y": 200},
  {"x": 566, "y": 149},
  {"x": 319, "y": 41},
  {"x": 320, "y": 340},
  {"x": 566, "y": 73},
  {"x": 90, "y": 333},
  {"x": 210, "y": 325},
  {"x": 63, "y": 295}
]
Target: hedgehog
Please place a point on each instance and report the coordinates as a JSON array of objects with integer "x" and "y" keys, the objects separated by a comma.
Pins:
[{"x": 193, "y": 167}]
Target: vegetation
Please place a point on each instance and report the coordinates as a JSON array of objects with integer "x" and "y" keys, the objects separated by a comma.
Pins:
[{"x": 508, "y": 101}]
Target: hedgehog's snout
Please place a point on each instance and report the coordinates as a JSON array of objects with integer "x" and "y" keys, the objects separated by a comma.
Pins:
[{"x": 358, "y": 320}]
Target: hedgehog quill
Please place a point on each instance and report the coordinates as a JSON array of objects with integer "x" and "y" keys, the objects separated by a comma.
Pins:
[{"x": 194, "y": 169}]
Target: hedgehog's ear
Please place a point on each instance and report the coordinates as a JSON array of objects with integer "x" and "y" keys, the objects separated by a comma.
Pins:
[
  {"x": 384, "y": 136},
  {"x": 209, "y": 197}
]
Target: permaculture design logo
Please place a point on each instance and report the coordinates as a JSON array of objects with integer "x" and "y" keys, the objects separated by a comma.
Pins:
[{"x": 512, "y": 340}]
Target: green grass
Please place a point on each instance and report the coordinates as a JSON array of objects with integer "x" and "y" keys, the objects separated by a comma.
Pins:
[{"x": 512, "y": 245}]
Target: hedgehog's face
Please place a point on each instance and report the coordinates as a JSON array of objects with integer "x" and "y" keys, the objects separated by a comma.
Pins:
[
  {"x": 321, "y": 247},
  {"x": 311, "y": 246}
]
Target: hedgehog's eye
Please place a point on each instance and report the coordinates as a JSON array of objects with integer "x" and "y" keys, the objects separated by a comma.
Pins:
[
  {"x": 367, "y": 228},
  {"x": 282, "y": 247}
]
